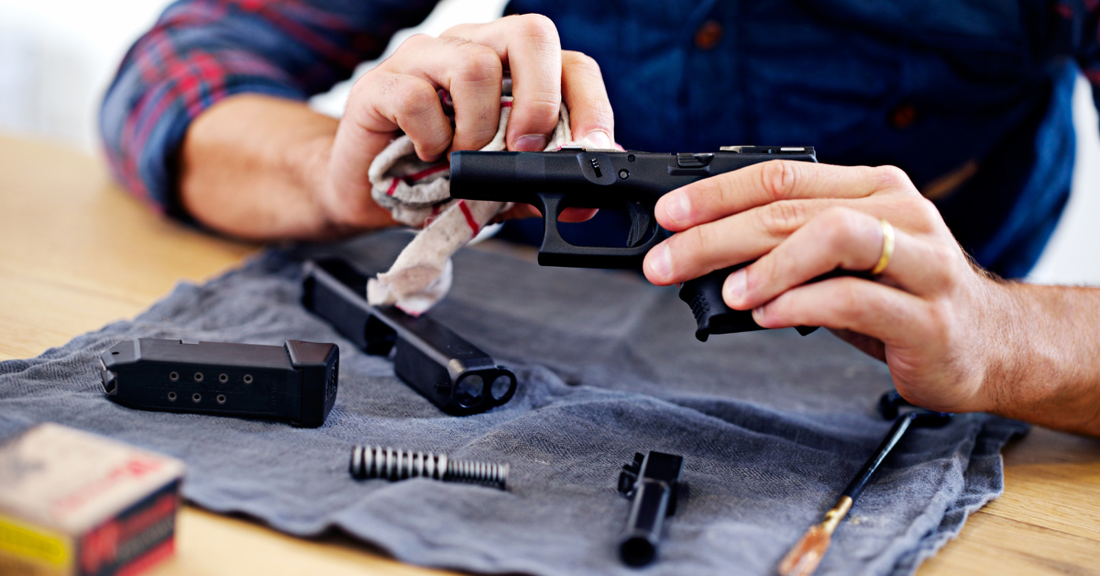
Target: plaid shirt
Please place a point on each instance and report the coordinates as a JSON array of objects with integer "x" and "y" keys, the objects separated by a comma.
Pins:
[
  {"x": 926, "y": 86},
  {"x": 201, "y": 51}
]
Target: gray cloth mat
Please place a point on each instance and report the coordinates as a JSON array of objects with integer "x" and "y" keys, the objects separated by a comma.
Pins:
[{"x": 772, "y": 427}]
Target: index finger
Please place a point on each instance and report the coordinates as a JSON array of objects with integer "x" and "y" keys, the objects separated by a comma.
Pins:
[
  {"x": 529, "y": 45},
  {"x": 726, "y": 194}
]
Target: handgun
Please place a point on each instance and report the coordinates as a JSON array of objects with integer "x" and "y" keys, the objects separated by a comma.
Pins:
[{"x": 574, "y": 177}]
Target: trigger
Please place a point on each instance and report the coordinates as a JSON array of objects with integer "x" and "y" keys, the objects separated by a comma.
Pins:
[{"x": 639, "y": 224}]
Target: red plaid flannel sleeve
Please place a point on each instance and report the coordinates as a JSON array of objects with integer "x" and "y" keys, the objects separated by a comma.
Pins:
[{"x": 201, "y": 51}]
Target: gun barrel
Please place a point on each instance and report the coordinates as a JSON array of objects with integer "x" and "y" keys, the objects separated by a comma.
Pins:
[
  {"x": 652, "y": 483},
  {"x": 639, "y": 542}
]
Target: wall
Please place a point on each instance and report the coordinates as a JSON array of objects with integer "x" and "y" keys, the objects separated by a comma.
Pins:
[
  {"x": 1073, "y": 254},
  {"x": 56, "y": 58}
]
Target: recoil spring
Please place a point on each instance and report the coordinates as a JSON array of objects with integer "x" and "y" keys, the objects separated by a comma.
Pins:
[{"x": 392, "y": 464}]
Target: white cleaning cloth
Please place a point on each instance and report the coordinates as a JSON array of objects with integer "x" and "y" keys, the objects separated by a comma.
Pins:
[{"x": 417, "y": 193}]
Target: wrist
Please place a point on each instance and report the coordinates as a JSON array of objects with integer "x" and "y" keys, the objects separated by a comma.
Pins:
[
  {"x": 1045, "y": 372},
  {"x": 252, "y": 165},
  {"x": 338, "y": 176},
  {"x": 310, "y": 165},
  {"x": 1001, "y": 344}
]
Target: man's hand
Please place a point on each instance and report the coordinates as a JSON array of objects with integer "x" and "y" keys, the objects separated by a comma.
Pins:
[
  {"x": 266, "y": 168},
  {"x": 468, "y": 61},
  {"x": 955, "y": 338}
]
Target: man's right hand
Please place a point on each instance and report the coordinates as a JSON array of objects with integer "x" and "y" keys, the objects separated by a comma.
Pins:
[
  {"x": 468, "y": 61},
  {"x": 266, "y": 168}
]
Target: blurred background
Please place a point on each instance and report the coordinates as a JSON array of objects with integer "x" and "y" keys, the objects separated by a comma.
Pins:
[{"x": 57, "y": 57}]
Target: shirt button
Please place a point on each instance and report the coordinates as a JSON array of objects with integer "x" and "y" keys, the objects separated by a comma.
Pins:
[
  {"x": 902, "y": 116},
  {"x": 708, "y": 35}
]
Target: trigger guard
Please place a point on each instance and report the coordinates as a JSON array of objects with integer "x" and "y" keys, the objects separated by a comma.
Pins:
[{"x": 556, "y": 251}]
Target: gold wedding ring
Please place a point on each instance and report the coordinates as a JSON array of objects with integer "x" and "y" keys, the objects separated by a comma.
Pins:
[{"x": 887, "y": 247}]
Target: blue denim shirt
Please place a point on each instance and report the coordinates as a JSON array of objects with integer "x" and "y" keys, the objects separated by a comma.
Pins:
[{"x": 977, "y": 92}]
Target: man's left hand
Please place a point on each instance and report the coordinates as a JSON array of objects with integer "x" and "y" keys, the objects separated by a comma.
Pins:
[{"x": 931, "y": 314}]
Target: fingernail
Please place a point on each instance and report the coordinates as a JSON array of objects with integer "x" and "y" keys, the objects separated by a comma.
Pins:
[
  {"x": 758, "y": 315},
  {"x": 599, "y": 140},
  {"x": 660, "y": 262},
  {"x": 678, "y": 207},
  {"x": 531, "y": 143},
  {"x": 735, "y": 286}
]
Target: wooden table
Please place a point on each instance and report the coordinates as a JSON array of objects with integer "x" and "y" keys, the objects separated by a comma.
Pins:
[{"x": 77, "y": 253}]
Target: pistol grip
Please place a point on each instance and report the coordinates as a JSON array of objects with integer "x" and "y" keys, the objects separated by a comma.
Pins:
[{"x": 712, "y": 316}]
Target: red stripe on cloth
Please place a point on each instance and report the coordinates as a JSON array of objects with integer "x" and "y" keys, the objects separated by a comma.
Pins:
[
  {"x": 506, "y": 104},
  {"x": 431, "y": 217},
  {"x": 469, "y": 217},
  {"x": 393, "y": 188},
  {"x": 426, "y": 172}
]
